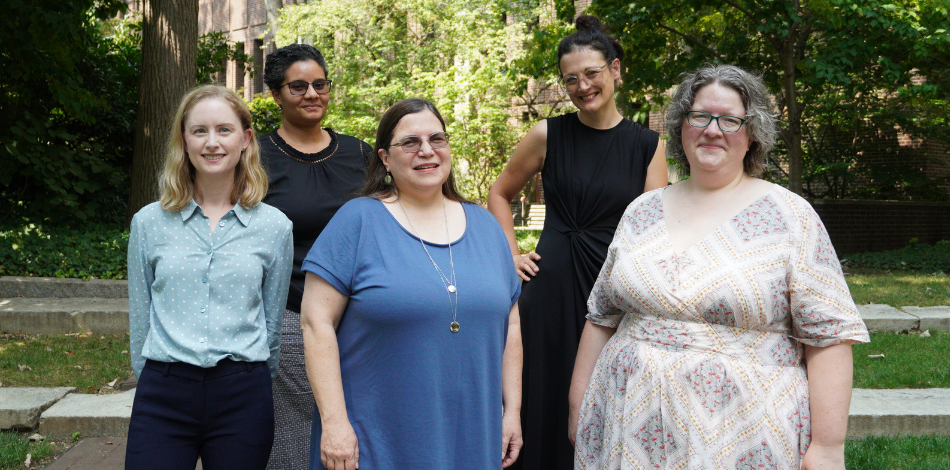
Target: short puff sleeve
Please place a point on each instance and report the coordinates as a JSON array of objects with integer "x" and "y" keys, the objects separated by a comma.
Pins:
[{"x": 823, "y": 313}]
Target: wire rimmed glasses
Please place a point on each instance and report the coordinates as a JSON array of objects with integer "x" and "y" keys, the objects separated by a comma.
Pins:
[
  {"x": 412, "y": 143},
  {"x": 726, "y": 123},
  {"x": 300, "y": 87},
  {"x": 592, "y": 76}
]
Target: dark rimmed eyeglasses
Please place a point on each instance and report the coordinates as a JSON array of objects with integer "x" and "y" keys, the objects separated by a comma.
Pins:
[
  {"x": 702, "y": 120},
  {"x": 412, "y": 144},
  {"x": 299, "y": 87}
]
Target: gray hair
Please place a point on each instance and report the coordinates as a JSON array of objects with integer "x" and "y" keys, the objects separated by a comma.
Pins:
[{"x": 762, "y": 124}]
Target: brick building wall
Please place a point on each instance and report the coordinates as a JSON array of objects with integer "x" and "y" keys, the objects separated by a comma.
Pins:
[{"x": 857, "y": 225}]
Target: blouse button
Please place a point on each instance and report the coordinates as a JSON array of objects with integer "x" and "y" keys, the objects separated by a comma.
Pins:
[
  {"x": 209, "y": 252},
  {"x": 201, "y": 340},
  {"x": 202, "y": 310},
  {"x": 220, "y": 224},
  {"x": 204, "y": 280}
]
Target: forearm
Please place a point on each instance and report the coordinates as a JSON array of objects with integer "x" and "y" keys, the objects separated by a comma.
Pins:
[
  {"x": 322, "y": 360},
  {"x": 592, "y": 343},
  {"x": 512, "y": 365},
  {"x": 830, "y": 372}
]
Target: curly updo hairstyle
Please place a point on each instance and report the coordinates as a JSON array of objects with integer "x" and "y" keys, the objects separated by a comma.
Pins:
[
  {"x": 590, "y": 34},
  {"x": 277, "y": 63},
  {"x": 761, "y": 123}
]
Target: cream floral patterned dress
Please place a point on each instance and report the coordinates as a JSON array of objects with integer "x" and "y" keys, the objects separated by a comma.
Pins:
[{"x": 706, "y": 368}]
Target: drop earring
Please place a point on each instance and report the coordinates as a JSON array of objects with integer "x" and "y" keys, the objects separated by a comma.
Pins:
[{"x": 388, "y": 179}]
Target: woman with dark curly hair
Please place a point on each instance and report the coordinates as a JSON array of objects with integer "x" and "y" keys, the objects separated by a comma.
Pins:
[
  {"x": 313, "y": 171},
  {"x": 593, "y": 163},
  {"x": 719, "y": 331}
]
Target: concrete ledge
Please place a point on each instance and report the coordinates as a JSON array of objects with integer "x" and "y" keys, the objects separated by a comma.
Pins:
[
  {"x": 902, "y": 412},
  {"x": 40, "y": 287},
  {"x": 55, "y": 316},
  {"x": 931, "y": 318},
  {"x": 20, "y": 407},
  {"x": 89, "y": 415},
  {"x": 880, "y": 317}
]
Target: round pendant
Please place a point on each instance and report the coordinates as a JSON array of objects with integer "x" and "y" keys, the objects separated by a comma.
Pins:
[
  {"x": 452, "y": 288},
  {"x": 454, "y": 327}
]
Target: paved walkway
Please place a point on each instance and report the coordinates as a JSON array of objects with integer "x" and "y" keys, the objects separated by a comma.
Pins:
[{"x": 51, "y": 306}]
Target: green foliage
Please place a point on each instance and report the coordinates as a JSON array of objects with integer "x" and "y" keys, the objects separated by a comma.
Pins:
[
  {"x": 461, "y": 54},
  {"x": 898, "y": 453},
  {"x": 844, "y": 73},
  {"x": 527, "y": 240},
  {"x": 14, "y": 448},
  {"x": 90, "y": 251},
  {"x": 908, "y": 361},
  {"x": 67, "y": 100},
  {"x": 214, "y": 51},
  {"x": 913, "y": 257},
  {"x": 265, "y": 114}
]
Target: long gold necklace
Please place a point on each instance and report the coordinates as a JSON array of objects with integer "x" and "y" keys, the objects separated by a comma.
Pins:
[{"x": 447, "y": 281}]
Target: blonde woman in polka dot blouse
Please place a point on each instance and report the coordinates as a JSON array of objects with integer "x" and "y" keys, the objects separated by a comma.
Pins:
[{"x": 209, "y": 268}]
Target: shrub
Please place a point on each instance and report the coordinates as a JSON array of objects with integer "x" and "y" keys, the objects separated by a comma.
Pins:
[
  {"x": 92, "y": 251},
  {"x": 913, "y": 257}
]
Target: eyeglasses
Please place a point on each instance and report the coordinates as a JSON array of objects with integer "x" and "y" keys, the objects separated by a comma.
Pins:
[
  {"x": 300, "y": 87},
  {"x": 726, "y": 123},
  {"x": 413, "y": 144},
  {"x": 592, "y": 77}
]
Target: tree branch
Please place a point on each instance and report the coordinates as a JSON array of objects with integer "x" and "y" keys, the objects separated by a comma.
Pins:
[{"x": 693, "y": 41}]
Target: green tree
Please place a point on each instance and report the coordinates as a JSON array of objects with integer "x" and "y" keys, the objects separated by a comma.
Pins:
[
  {"x": 64, "y": 95},
  {"x": 461, "y": 54},
  {"x": 805, "y": 50}
]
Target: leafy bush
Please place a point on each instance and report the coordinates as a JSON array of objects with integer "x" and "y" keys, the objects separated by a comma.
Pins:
[
  {"x": 265, "y": 114},
  {"x": 913, "y": 257},
  {"x": 92, "y": 251}
]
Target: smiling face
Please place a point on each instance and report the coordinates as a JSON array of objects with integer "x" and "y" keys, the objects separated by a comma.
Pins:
[
  {"x": 309, "y": 108},
  {"x": 587, "y": 97},
  {"x": 710, "y": 149},
  {"x": 424, "y": 170},
  {"x": 214, "y": 139}
]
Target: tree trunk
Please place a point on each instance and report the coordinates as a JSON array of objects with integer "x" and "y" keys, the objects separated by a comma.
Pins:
[
  {"x": 169, "y": 47},
  {"x": 788, "y": 57}
]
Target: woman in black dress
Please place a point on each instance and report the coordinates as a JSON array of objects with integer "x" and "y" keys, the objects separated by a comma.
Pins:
[
  {"x": 313, "y": 171},
  {"x": 593, "y": 163}
]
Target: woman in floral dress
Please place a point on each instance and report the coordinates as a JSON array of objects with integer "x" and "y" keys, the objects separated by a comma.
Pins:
[{"x": 720, "y": 328}]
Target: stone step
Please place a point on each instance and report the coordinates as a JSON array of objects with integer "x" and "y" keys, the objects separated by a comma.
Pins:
[
  {"x": 21, "y": 407},
  {"x": 879, "y": 317},
  {"x": 51, "y": 287},
  {"x": 89, "y": 415},
  {"x": 55, "y": 316},
  {"x": 899, "y": 412}
]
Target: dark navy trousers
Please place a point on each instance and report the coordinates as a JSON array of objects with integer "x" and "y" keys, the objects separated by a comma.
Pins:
[{"x": 224, "y": 414}]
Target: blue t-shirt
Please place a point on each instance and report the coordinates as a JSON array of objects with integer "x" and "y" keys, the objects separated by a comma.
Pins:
[{"x": 418, "y": 395}]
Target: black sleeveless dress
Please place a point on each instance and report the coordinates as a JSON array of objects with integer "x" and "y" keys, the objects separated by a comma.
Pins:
[{"x": 589, "y": 177}]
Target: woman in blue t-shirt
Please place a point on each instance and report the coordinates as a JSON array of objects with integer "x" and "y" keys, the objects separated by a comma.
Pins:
[{"x": 409, "y": 316}]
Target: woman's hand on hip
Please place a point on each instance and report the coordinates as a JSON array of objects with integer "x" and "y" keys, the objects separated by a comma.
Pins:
[
  {"x": 511, "y": 440},
  {"x": 819, "y": 457},
  {"x": 339, "y": 449},
  {"x": 525, "y": 265}
]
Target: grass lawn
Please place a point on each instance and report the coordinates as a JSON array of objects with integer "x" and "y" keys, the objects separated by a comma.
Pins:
[
  {"x": 889, "y": 453},
  {"x": 909, "y": 361},
  {"x": 14, "y": 447},
  {"x": 899, "y": 289},
  {"x": 86, "y": 362},
  {"x": 527, "y": 239}
]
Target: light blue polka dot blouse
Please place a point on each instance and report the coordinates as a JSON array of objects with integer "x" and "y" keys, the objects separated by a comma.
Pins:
[{"x": 199, "y": 298}]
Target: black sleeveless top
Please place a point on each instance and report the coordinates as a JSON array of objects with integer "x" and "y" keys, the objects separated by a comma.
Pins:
[{"x": 589, "y": 177}]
